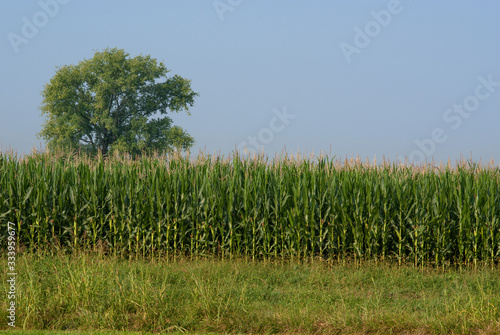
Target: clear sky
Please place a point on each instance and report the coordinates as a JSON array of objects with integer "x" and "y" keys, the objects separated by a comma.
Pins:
[{"x": 419, "y": 79}]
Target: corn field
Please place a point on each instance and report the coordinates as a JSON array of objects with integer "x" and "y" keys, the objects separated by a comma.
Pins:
[{"x": 290, "y": 208}]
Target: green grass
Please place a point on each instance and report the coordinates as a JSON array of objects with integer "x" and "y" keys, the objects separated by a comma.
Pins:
[
  {"x": 52, "y": 332},
  {"x": 91, "y": 292}
]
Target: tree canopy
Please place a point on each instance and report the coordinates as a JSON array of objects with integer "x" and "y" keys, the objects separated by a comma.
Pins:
[{"x": 114, "y": 102}]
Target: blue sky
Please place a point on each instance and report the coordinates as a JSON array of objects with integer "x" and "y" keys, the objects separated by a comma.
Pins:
[{"x": 416, "y": 79}]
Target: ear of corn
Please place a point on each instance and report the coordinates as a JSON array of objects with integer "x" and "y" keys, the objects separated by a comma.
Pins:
[{"x": 241, "y": 207}]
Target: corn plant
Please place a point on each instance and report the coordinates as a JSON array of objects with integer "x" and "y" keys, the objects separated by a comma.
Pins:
[{"x": 286, "y": 208}]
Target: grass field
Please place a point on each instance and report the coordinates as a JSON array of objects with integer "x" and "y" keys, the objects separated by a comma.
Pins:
[
  {"x": 91, "y": 292},
  {"x": 81, "y": 332}
]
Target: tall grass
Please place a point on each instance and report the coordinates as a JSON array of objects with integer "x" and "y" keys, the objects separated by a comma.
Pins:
[
  {"x": 290, "y": 208},
  {"x": 88, "y": 293}
]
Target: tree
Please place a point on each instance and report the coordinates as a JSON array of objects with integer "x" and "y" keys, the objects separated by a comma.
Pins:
[{"x": 114, "y": 102}]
